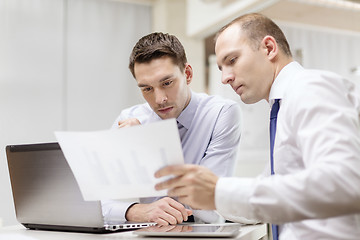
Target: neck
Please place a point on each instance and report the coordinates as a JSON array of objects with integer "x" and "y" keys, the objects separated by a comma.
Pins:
[{"x": 278, "y": 66}]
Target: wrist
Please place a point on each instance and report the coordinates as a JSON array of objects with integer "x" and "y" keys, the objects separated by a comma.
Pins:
[{"x": 130, "y": 214}]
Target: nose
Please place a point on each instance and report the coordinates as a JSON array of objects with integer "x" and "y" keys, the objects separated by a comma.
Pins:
[
  {"x": 227, "y": 77},
  {"x": 160, "y": 96}
]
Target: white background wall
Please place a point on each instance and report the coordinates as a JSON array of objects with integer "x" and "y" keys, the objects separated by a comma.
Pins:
[{"x": 63, "y": 66}]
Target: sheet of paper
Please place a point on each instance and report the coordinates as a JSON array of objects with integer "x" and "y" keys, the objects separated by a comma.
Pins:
[{"x": 120, "y": 163}]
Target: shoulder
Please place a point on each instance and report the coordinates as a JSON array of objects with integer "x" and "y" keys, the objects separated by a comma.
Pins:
[
  {"x": 318, "y": 79},
  {"x": 210, "y": 101},
  {"x": 213, "y": 106},
  {"x": 317, "y": 84},
  {"x": 316, "y": 91},
  {"x": 142, "y": 112}
]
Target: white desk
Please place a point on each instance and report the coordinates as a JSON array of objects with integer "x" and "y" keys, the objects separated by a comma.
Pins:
[{"x": 18, "y": 232}]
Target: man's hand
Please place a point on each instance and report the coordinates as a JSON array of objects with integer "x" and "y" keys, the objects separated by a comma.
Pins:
[
  {"x": 194, "y": 185},
  {"x": 128, "y": 122},
  {"x": 164, "y": 212}
]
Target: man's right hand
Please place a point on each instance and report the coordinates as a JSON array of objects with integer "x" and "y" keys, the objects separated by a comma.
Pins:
[
  {"x": 164, "y": 212},
  {"x": 128, "y": 122}
]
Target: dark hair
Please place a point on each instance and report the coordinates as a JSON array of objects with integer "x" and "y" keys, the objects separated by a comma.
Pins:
[
  {"x": 256, "y": 26},
  {"x": 157, "y": 45}
]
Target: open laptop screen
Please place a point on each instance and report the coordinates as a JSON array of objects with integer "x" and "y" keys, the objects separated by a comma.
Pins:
[{"x": 46, "y": 194}]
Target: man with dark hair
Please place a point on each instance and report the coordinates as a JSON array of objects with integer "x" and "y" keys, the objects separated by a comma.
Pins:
[
  {"x": 209, "y": 126},
  {"x": 313, "y": 191}
]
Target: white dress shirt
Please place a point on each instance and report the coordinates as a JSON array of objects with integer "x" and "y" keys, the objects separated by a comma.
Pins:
[
  {"x": 316, "y": 158},
  {"x": 210, "y": 134}
]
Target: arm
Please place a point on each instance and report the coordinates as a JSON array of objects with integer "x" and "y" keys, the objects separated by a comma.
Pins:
[
  {"x": 138, "y": 114},
  {"x": 324, "y": 124},
  {"x": 196, "y": 186},
  {"x": 221, "y": 153},
  {"x": 162, "y": 211},
  {"x": 327, "y": 131},
  {"x": 115, "y": 210}
]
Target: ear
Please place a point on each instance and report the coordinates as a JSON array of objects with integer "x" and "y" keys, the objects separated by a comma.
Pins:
[
  {"x": 270, "y": 46},
  {"x": 188, "y": 73}
]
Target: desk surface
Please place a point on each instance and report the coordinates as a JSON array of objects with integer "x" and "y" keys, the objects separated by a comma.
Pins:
[{"x": 18, "y": 232}]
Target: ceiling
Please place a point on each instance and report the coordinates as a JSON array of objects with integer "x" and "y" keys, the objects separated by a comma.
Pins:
[
  {"x": 309, "y": 12},
  {"x": 317, "y": 12},
  {"x": 338, "y": 14}
]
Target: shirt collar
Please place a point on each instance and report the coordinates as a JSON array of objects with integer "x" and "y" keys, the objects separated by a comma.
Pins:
[
  {"x": 282, "y": 81},
  {"x": 187, "y": 115}
]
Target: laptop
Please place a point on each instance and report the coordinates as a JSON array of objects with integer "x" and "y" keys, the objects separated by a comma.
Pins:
[{"x": 46, "y": 195}]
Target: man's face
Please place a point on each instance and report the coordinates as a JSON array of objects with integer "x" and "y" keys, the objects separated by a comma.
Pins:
[
  {"x": 164, "y": 86},
  {"x": 248, "y": 71}
]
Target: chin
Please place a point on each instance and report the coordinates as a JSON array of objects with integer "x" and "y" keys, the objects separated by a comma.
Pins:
[
  {"x": 163, "y": 117},
  {"x": 247, "y": 100},
  {"x": 244, "y": 99}
]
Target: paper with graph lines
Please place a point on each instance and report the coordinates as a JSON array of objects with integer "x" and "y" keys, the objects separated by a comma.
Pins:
[{"x": 120, "y": 163}]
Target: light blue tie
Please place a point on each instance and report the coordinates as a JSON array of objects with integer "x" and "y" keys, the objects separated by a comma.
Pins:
[
  {"x": 182, "y": 130},
  {"x": 273, "y": 118}
]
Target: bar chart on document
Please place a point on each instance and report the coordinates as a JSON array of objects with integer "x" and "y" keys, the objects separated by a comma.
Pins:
[{"x": 120, "y": 163}]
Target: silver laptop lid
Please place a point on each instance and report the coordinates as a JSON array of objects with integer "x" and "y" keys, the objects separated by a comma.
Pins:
[{"x": 45, "y": 190}]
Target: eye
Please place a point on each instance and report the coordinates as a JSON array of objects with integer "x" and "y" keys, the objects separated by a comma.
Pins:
[
  {"x": 232, "y": 60},
  {"x": 146, "y": 89},
  {"x": 167, "y": 83}
]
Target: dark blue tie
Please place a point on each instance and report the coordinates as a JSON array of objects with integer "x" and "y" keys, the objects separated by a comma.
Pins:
[{"x": 273, "y": 118}]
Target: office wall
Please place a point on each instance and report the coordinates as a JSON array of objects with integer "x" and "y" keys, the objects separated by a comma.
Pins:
[
  {"x": 63, "y": 66},
  {"x": 324, "y": 48}
]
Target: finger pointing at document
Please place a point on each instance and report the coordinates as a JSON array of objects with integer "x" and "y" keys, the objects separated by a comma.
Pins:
[{"x": 193, "y": 185}]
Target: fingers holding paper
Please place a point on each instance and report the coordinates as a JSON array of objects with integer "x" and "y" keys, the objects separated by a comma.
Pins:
[
  {"x": 128, "y": 122},
  {"x": 194, "y": 185}
]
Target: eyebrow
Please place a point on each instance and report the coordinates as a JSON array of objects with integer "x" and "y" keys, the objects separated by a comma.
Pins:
[
  {"x": 142, "y": 85},
  {"x": 167, "y": 77},
  {"x": 226, "y": 57},
  {"x": 223, "y": 60}
]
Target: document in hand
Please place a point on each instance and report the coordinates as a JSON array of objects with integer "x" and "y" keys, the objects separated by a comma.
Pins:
[{"x": 120, "y": 163}]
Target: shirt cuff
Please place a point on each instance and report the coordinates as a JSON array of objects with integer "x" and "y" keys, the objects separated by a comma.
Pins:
[
  {"x": 232, "y": 199},
  {"x": 115, "y": 210}
]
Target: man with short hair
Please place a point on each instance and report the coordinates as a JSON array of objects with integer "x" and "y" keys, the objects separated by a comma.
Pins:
[
  {"x": 209, "y": 126},
  {"x": 314, "y": 191}
]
